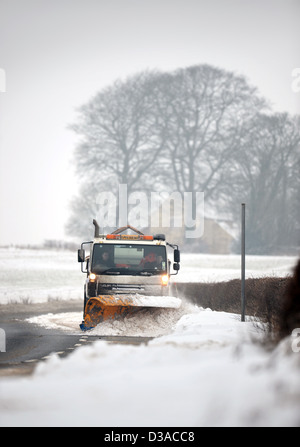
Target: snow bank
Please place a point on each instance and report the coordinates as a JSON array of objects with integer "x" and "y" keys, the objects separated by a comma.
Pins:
[
  {"x": 144, "y": 323},
  {"x": 206, "y": 371}
]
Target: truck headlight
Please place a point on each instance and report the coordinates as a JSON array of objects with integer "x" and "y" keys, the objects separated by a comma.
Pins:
[
  {"x": 165, "y": 280},
  {"x": 92, "y": 276}
]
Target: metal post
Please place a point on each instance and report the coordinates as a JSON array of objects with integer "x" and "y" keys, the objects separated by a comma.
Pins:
[{"x": 243, "y": 263}]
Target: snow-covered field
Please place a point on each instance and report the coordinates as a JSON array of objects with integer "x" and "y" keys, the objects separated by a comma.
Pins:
[
  {"x": 203, "y": 368},
  {"x": 41, "y": 275}
]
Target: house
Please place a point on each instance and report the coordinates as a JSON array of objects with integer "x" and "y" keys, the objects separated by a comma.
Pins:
[{"x": 218, "y": 237}]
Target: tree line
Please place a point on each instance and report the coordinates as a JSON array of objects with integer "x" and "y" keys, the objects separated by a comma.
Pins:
[{"x": 199, "y": 128}]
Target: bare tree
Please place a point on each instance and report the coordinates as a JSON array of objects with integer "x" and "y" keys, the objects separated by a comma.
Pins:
[
  {"x": 206, "y": 108},
  {"x": 195, "y": 129},
  {"x": 121, "y": 143},
  {"x": 121, "y": 138},
  {"x": 265, "y": 179}
]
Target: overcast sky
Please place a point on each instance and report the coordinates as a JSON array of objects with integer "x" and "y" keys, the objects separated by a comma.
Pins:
[{"x": 57, "y": 54}]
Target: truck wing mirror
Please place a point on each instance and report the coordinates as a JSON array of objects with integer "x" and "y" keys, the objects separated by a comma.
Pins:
[
  {"x": 177, "y": 255},
  {"x": 81, "y": 255},
  {"x": 176, "y": 267}
]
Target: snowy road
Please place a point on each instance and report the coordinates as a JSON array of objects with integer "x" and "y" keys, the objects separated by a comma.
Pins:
[
  {"x": 30, "y": 340},
  {"x": 208, "y": 370},
  {"x": 202, "y": 367}
]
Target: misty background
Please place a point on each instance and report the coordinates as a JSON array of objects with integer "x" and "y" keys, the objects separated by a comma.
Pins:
[{"x": 73, "y": 66}]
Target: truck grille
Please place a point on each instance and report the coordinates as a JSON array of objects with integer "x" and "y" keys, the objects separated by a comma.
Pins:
[{"x": 118, "y": 288}]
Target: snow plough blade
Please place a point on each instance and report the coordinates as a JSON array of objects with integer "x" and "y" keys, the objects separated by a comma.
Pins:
[{"x": 111, "y": 307}]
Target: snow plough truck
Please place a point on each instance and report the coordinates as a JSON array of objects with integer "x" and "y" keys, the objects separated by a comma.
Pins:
[{"x": 126, "y": 273}]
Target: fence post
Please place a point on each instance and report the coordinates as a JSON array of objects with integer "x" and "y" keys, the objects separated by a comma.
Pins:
[{"x": 243, "y": 263}]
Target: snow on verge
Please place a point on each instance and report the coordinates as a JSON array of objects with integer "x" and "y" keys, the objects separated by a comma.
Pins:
[{"x": 206, "y": 372}]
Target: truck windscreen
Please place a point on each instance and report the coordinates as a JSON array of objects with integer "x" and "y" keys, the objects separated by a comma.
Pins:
[{"x": 129, "y": 258}]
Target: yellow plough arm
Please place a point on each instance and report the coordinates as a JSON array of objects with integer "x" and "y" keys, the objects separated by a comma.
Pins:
[{"x": 105, "y": 307}]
